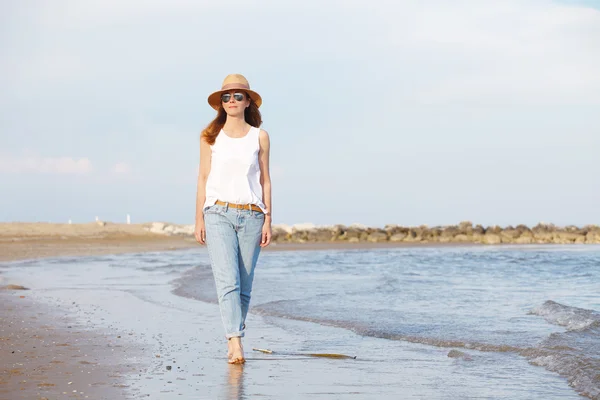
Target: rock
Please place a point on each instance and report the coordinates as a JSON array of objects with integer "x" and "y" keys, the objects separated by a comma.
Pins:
[
  {"x": 364, "y": 235},
  {"x": 477, "y": 237},
  {"x": 320, "y": 235},
  {"x": 157, "y": 227},
  {"x": 491, "y": 238},
  {"x": 459, "y": 354},
  {"x": 592, "y": 237},
  {"x": 540, "y": 236},
  {"x": 479, "y": 229},
  {"x": 280, "y": 233},
  {"x": 461, "y": 238},
  {"x": 395, "y": 229},
  {"x": 282, "y": 227},
  {"x": 183, "y": 230},
  {"x": 414, "y": 235},
  {"x": 524, "y": 240},
  {"x": 432, "y": 234},
  {"x": 495, "y": 229},
  {"x": 566, "y": 237},
  {"x": 524, "y": 230},
  {"x": 377, "y": 236},
  {"x": 450, "y": 232},
  {"x": 351, "y": 233},
  {"x": 169, "y": 229},
  {"x": 338, "y": 231},
  {"x": 398, "y": 237},
  {"x": 509, "y": 235},
  {"x": 465, "y": 225},
  {"x": 464, "y": 232},
  {"x": 526, "y": 233},
  {"x": 543, "y": 227}
]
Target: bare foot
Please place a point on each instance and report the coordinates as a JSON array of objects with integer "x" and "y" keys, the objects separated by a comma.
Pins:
[
  {"x": 235, "y": 352},
  {"x": 229, "y": 349}
]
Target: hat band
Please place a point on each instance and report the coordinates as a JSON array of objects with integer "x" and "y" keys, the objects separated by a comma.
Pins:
[{"x": 235, "y": 86}]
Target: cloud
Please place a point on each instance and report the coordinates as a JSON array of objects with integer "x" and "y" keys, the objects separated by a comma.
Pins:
[
  {"x": 44, "y": 165},
  {"x": 434, "y": 52},
  {"x": 512, "y": 52}
]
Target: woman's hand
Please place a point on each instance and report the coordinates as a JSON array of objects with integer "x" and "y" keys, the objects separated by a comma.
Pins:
[
  {"x": 200, "y": 231},
  {"x": 266, "y": 233}
]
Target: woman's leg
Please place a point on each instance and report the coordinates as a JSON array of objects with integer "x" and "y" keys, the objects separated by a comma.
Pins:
[
  {"x": 222, "y": 244},
  {"x": 249, "y": 236}
]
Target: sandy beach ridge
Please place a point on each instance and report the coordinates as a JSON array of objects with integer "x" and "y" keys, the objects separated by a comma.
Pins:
[{"x": 22, "y": 240}]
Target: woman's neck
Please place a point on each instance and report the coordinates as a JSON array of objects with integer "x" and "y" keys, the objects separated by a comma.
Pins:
[{"x": 235, "y": 125}]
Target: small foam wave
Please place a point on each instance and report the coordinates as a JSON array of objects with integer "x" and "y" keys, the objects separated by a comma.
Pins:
[
  {"x": 572, "y": 318},
  {"x": 575, "y": 353},
  {"x": 196, "y": 283}
]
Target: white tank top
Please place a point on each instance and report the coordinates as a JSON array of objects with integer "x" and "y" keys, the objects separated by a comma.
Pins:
[{"x": 234, "y": 170}]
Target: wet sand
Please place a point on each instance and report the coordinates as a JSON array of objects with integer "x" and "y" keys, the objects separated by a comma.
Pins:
[{"x": 47, "y": 354}]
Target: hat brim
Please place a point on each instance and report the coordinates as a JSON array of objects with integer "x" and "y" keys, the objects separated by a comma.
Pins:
[{"x": 215, "y": 98}]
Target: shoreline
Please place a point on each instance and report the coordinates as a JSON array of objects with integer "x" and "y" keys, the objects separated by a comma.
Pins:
[{"x": 31, "y": 249}]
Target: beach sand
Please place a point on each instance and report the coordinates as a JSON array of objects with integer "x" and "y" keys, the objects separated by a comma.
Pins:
[
  {"x": 47, "y": 354},
  {"x": 20, "y": 241}
]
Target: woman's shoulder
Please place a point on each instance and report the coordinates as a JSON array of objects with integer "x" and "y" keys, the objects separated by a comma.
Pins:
[
  {"x": 262, "y": 133},
  {"x": 263, "y": 139}
]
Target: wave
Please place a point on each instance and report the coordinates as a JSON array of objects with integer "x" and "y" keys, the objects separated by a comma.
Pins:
[
  {"x": 575, "y": 353},
  {"x": 572, "y": 318}
]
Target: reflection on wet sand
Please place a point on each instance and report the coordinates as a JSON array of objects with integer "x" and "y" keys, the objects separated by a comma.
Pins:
[{"x": 235, "y": 382}]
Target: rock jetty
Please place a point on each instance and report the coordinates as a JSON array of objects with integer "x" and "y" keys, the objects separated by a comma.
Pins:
[{"x": 465, "y": 232}]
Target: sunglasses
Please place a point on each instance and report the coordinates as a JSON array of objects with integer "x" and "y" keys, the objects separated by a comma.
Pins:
[{"x": 226, "y": 97}]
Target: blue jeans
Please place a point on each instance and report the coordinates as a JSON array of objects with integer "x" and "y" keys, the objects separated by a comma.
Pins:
[{"x": 233, "y": 241}]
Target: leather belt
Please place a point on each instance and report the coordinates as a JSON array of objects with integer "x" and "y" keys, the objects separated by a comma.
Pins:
[{"x": 241, "y": 206}]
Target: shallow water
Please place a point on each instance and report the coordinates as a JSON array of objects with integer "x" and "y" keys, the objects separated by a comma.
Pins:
[
  {"x": 534, "y": 302},
  {"x": 517, "y": 322}
]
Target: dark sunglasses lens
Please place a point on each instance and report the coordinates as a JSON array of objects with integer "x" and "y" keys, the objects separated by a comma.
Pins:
[
  {"x": 238, "y": 96},
  {"x": 225, "y": 97}
]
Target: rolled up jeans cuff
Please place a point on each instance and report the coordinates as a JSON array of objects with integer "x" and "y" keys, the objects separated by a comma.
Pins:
[{"x": 234, "y": 334}]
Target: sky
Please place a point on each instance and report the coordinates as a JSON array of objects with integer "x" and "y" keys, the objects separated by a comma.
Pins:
[{"x": 379, "y": 112}]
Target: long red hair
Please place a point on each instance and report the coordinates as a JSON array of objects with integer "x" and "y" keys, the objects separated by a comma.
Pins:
[{"x": 251, "y": 115}]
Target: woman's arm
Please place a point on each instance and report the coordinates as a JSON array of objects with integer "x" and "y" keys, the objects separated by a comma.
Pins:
[
  {"x": 203, "y": 171},
  {"x": 265, "y": 181}
]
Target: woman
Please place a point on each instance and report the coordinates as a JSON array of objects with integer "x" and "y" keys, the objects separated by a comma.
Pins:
[{"x": 233, "y": 201}]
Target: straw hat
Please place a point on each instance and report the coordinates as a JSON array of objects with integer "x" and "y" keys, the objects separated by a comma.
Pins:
[{"x": 233, "y": 82}]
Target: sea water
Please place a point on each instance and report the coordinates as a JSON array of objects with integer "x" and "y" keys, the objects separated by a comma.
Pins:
[{"x": 538, "y": 303}]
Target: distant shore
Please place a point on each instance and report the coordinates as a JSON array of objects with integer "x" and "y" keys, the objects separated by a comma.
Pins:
[{"x": 21, "y": 240}]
